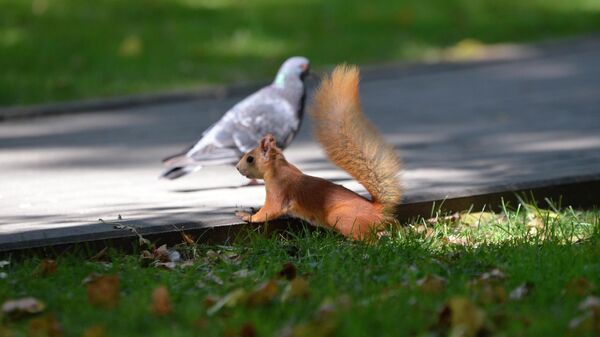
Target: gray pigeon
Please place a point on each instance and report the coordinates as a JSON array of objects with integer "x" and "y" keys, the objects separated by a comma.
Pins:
[{"x": 276, "y": 109}]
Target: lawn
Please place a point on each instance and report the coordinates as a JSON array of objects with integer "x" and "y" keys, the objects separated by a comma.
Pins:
[
  {"x": 55, "y": 50},
  {"x": 523, "y": 272}
]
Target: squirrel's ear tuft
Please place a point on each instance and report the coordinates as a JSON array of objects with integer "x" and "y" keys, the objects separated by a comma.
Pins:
[{"x": 267, "y": 143}]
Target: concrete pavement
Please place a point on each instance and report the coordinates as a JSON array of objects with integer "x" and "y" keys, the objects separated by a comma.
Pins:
[{"x": 460, "y": 131}]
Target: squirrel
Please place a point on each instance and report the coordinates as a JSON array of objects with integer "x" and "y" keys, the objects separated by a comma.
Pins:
[{"x": 353, "y": 144}]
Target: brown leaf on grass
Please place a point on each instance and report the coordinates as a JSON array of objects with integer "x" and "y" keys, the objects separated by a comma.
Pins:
[
  {"x": 488, "y": 287},
  {"x": 431, "y": 284},
  {"x": 44, "y": 326},
  {"x": 590, "y": 303},
  {"x": 579, "y": 286},
  {"x": 494, "y": 274},
  {"x": 588, "y": 323},
  {"x": 264, "y": 293},
  {"x": 521, "y": 291},
  {"x": 456, "y": 240},
  {"x": 187, "y": 238},
  {"x": 160, "y": 257},
  {"x": 161, "y": 254},
  {"x": 297, "y": 288},
  {"x": 211, "y": 276},
  {"x": 201, "y": 323},
  {"x": 161, "y": 303},
  {"x": 461, "y": 317},
  {"x": 186, "y": 264},
  {"x": 476, "y": 219},
  {"x": 22, "y": 307},
  {"x": 446, "y": 219},
  {"x": 248, "y": 330},
  {"x": 95, "y": 331},
  {"x": 232, "y": 299},
  {"x": 209, "y": 301},
  {"x": 242, "y": 273},
  {"x": 288, "y": 271},
  {"x": 103, "y": 290},
  {"x": 46, "y": 268},
  {"x": 324, "y": 321}
]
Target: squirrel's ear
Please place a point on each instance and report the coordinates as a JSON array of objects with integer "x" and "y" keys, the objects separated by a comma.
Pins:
[{"x": 266, "y": 144}]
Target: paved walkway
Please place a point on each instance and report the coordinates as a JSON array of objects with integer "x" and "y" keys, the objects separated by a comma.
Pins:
[{"x": 459, "y": 130}]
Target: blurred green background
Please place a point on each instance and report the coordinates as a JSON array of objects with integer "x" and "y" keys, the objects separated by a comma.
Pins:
[{"x": 54, "y": 50}]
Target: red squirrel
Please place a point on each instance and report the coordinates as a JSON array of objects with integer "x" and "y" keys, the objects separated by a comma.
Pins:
[{"x": 353, "y": 144}]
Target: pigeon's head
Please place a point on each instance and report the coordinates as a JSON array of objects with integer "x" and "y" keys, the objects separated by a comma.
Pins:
[
  {"x": 296, "y": 67},
  {"x": 260, "y": 160}
]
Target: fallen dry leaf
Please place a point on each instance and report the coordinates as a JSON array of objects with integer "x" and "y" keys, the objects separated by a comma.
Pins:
[
  {"x": 590, "y": 303},
  {"x": 494, "y": 274},
  {"x": 161, "y": 303},
  {"x": 461, "y": 317},
  {"x": 186, "y": 264},
  {"x": 230, "y": 300},
  {"x": 103, "y": 290},
  {"x": 187, "y": 238},
  {"x": 162, "y": 254},
  {"x": 22, "y": 307},
  {"x": 431, "y": 284},
  {"x": 579, "y": 286},
  {"x": 44, "y": 326},
  {"x": 297, "y": 288},
  {"x": 488, "y": 288},
  {"x": 242, "y": 273},
  {"x": 288, "y": 271},
  {"x": 264, "y": 293},
  {"x": 445, "y": 219},
  {"x": 95, "y": 331},
  {"x": 248, "y": 330},
  {"x": 211, "y": 276},
  {"x": 588, "y": 323},
  {"x": 201, "y": 323},
  {"x": 46, "y": 267},
  {"x": 521, "y": 291},
  {"x": 209, "y": 301}
]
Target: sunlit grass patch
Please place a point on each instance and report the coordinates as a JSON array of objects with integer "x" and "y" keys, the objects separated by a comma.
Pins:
[{"x": 65, "y": 49}]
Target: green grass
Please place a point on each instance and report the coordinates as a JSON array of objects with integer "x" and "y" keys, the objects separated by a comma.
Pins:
[
  {"x": 53, "y": 50},
  {"x": 354, "y": 289}
]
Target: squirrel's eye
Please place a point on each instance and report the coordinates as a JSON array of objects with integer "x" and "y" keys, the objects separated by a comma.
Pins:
[{"x": 249, "y": 159}]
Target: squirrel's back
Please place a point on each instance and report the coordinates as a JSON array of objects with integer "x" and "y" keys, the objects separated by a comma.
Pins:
[{"x": 350, "y": 140}]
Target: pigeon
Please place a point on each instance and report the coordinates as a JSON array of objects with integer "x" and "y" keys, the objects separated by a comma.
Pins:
[{"x": 276, "y": 109}]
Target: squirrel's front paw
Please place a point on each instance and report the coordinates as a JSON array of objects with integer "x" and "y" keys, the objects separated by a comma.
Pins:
[{"x": 244, "y": 216}]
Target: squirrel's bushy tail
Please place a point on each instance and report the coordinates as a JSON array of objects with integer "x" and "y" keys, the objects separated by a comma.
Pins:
[{"x": 350, "y": 140}]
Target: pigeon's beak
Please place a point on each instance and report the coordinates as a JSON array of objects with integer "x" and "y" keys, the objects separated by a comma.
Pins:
[{"x": 305, "y": 70}]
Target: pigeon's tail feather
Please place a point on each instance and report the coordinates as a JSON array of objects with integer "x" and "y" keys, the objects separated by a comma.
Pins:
[
  {"x": 178, "y": 171},
  {"x": 175, "y": 159}
]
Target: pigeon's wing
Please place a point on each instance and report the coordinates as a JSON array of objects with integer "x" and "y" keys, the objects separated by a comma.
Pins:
[{"x": 269, "y": 114}]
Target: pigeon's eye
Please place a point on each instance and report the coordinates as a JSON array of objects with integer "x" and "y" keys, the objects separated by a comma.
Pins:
[{"x": 249, "y": 159}]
